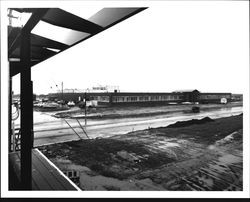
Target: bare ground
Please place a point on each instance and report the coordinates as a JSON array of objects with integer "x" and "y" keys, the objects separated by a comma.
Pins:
[
  {"x": 135, "y": 111},
  {"x": 205, "y": 156}
]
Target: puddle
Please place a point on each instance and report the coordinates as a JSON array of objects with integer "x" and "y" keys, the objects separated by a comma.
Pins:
[{"x": 167, "y": 144}]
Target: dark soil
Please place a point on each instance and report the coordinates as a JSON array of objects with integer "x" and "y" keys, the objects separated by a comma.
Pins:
[
  {"x": 102, "y": 155},
  {"x": 205, "y": 131},
  {"x": 179, "y": 124}
]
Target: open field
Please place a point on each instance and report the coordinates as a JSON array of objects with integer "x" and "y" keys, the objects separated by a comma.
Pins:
[{"x": 203, "y": 155}]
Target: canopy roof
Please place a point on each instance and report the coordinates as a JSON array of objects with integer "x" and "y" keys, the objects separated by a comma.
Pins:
[{"x": 53, "y": 30}]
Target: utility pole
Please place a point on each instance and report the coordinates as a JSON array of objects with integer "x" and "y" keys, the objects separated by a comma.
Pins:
[
  {"x": 62, "y": 92},
  {"x": 85, "y": 109}
]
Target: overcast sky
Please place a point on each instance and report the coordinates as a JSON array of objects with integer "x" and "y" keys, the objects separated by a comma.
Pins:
[{"x": 178, "y": 45}]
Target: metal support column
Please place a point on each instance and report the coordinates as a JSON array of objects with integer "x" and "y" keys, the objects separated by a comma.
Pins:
[{"x": 26, "y": 112}]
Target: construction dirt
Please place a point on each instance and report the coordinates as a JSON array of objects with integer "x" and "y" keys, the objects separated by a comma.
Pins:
[{"x": 205, "y": 155}]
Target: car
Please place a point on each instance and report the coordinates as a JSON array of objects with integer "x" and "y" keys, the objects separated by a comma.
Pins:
[{"x": 195, "y": 109}]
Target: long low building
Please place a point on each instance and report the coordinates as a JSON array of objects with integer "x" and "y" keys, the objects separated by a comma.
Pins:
[{"x": 143, "y": 98}]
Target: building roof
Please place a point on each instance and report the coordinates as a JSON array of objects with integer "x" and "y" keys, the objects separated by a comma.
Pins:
[
  {"x": 185, "y": 91},
  {"x": 118, "y": 93},
  {"x": 57, "y": 22}
]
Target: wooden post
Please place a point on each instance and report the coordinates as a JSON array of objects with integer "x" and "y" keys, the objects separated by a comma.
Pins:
[{"x": 26, "y": 112}]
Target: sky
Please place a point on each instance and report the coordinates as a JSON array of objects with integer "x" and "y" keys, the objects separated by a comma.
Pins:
[{"x": 174, "y": 46}]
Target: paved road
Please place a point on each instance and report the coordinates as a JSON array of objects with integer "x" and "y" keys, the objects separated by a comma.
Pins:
[{"x": 49, "y": 130}]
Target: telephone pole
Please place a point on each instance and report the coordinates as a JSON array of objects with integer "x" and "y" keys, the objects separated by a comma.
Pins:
[
  {"x": 62, "y": 91},
  {"x": 85, "y": 100}
]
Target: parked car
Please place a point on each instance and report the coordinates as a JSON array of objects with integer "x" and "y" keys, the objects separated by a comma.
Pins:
[{"x": 195, "y": 109}]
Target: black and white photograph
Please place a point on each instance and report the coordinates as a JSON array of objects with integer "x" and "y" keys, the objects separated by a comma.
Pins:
[{"x": 125, "y": 99}]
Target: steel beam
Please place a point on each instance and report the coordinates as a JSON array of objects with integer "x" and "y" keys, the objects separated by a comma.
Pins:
[
  {"x": 61, "y": 18},
  {"x": 16, "y": 67},
  {"x": 26, "y": 96},
  {"x": 34, "y": 19},
  {"x": 26, "y": 112}
]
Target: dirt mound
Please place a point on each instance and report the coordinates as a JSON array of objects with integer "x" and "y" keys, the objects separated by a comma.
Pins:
[{"x": 179, "y": 124}]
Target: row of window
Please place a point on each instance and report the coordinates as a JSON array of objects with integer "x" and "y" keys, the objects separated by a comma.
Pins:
[
  {"x": 100, "y": 98},
  {"x": 145, "y": 98},
  {"x": 153, "y": 98},
  {"x": 214, "y": 96}
]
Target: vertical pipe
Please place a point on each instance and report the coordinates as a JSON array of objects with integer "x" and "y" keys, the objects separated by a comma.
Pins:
[
  {"x": 10, "y": 112},
  {"x": 14, "y": 146},
  {"x": 26, "y": 112}
]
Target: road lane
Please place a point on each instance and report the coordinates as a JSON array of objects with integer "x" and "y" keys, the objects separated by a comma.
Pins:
[{"x": 57, "y": 130}]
